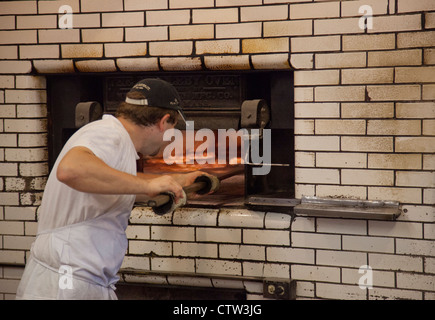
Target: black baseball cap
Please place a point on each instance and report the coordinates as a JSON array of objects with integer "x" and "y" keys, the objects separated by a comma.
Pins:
[{"x": 158, "y": 93}]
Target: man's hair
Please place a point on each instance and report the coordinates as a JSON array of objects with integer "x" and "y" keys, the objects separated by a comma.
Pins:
[{"x": 143, "y": 115}]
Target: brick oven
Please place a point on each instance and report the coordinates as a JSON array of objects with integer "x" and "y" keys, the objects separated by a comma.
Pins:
[{"x": 347, "y": 209}]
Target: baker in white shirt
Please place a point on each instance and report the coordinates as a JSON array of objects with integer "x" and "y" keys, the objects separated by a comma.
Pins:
[{"x": 81, "y": 241}]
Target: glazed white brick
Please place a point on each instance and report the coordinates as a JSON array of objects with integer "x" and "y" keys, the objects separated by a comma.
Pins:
[
  {"x": 339, "y": 291},
  {"x": 6, "y": 82},
  {"x": 341, "y": 160},
  {"x": 31, "y": 82},
  {"x": 171, "y": 48},
  {"x": 317, "y": 143},
  {"x": 394, "y": 294},
  {"x": 428, "y": 92},
  {"x": 315, "y": 273},
  {"x": 101, "y": 5},
  {"x": 395, "y": 23},
  {"x": 215, "y": 15},
  {"x": 23, "y": 155},
  {"x": 367, "y": 177},
  {"x": 242, "y": 252},
  {"x": 379, "y": 278},
  {"x": 204, "y": 250},
  {"x": 181, "y": 64},
  {"x": 317, "y": 110},
  {"x": 146, "y": 34},
  {"x": 362, "y": 144},
  {"x": 196, "y": 217},
  {"x": 315, "y": 240},
  {"x": 54, "y": 66},
  {"x": 290, "y": 255},
  {"x": 415, "y": 179},
  {"x": 341, "y": 258},
  {"x": 144, "y": 215},
  {"x": 37, "y": 22},
  {"x": 91, "y": 20},
  {"x": 394, "y": 161},
  {"x": 415, "y": 74},
  {"x": 320, "y": 77},
  {"x": 428, "y": 162},
  {"x": 241, "y": 218},
  {"x": 32, "y": 140},
  {"x": 15, "y": 66},
  {"x": 315, "y": 44},
  {"x": 368, "y": 244},
  {"x": 172, "y": 233},
  {"x": 302, "y": 61},
  {"x": 369, "y": 75},
  {"x": 18, "y": 36},
  {"x": 315, "y": 10},
  {"x": 304, "y": 159},
  {"x": 54, "y": 5},
  {"x": 11, "y": 228},
  {"x": 264, "y": 13},
  {"x": 340, "y": 60},
  {"x": 394, "y": 58},
  {"x": 39, "y": 51},
  {"x": 416, "y": 281},
  {"x": 25, "y": 96},
  {"x": 138, "y": 232},
  {"x": 33, "y": 169},
  {"x": 9, "y": 198},
  {"x": 340, "y": 127},
  {"x": 415, "y": 144},
  {"x": 367, "y": 110},
  {"x": 239, "y": 30},
  {"x": 27, "y": 125},
  {"x": 205, "y": 31},
  {"x": 135, "y": 263},
  {"x": 303, "y": 94},
  {"x": 304, "y": 127},
  {"x": 172, "y": 264},
  {"x": 266, "y": 237},
  {"x": 17, "y": 242},
  {"x": 288, "y": 28},
  {"x": 340, "y": 93},
  {"x": 369, "y": 42},
  {"x": 344, "y": 226},
  {"x": 317, "y": 176},
  {"x": 403, "y": 195},
  {"x": 9, "y": 52},
  {"x": 149, "y": 247},
  {"x": 429, "y": 127},
  {"x": 218, "y": 46},
  {"x": 219, "y": 267},
  {"x": 19, "y": 213},
  {"x": 415, "y": 247},
  {"x": 226, "y": 235},
  {"x": 124, "y": 19},
  {"x": 59, "y": 36},
  {"x": 134, "y": 5},
  {"x": 178, "y": 4},
  {"x": 265, "y": 45},
  {"x": 271, "y": 61},
  {"x": 337, "y": 26},
  {"x": 395, "y": 262},
  {"x": 430, "y": 265},
  {"x": 232, "y": 3},
  {"x": 7, "y": 22},
  {"x": 82, "y": 50},
  {"x": 397, "y": 229},
  {"x": 8, "y": 140},
  {"x": 263, "y": 270},
  {"x": 103, "y": 35},
  {"x": 8, "y": 169},
  {"x": 416, "y": 39},
  {"x": 417, "y": 5},
  {"x": 96, "y": 65},
  {"x": 415, "y": 110},
  {"x": 167, "y": 17}
]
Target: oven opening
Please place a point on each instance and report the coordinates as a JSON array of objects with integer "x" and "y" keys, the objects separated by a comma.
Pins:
[{"x": 242, "y": 130}]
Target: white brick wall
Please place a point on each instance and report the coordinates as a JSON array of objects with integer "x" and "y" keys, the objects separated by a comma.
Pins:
[{"x": 364, "y": 126}]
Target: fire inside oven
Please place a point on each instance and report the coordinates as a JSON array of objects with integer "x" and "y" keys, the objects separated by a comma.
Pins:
[{"x": 240, "y": 128}]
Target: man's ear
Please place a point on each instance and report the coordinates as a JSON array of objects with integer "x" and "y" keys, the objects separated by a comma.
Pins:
[{"x": 162, "y": 122}]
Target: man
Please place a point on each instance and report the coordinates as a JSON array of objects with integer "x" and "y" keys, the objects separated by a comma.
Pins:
[{"x": 89, "y": 195}]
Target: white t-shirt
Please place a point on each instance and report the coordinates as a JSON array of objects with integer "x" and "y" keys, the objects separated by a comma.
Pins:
[{"x": 83, "y": 231}]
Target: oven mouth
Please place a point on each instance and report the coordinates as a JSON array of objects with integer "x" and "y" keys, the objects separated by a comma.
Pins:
[{"x": 212, "y": 101}]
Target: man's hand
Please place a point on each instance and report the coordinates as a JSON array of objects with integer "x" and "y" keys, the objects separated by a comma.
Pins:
[{"x": 161, "y": 184}]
